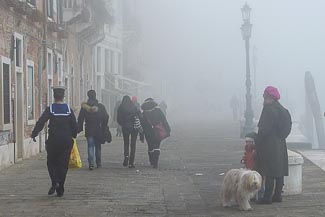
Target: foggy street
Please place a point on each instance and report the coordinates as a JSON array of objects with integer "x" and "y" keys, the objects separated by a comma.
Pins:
[{"x": 187, "y": 182}]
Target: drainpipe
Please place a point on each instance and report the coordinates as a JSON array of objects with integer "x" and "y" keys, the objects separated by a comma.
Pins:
[
  {"x": 40, "y": 89},
  {"x": 43, "y": 65}
]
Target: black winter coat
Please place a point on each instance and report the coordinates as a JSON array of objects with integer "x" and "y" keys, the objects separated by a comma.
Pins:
[
  {"x": 126, "y": 116},
  {"x": 271, "y": 150},
  {"x": 96, "y": 118},
  {"x": 152, "y": 115}
]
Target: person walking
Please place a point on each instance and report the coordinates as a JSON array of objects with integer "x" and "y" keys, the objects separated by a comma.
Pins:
[
  {"x": 62, "y": 130},
  {"x": 118, "y": 127},
  {"x": 96, "y": 118},
  {"x": 152, "y": 115},
  {"x": 127, "y": 114},
  {"x": 273, "y": 128},
  {"x": 135, "y": 101}
]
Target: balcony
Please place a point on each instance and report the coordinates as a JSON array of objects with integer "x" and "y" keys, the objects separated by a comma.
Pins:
[{"x": 23, "y": 7}]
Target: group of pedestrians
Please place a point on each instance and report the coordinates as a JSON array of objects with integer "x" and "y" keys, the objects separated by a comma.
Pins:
[
  {"x": 135, "y": 123},
  {"x": 63, "y": 127}
]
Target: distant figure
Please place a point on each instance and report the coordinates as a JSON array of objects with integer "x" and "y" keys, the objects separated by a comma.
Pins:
[
  {"x": 163, "y": 107},
  {"x": 96, "y": 118},
  {"x": 62, "y": 128},
  {"x": 153, "y": 116},
  {"x": 118, "y": 127},
  {"x": 135, "y": 101},
  {"x": 127, "y": 114},
  {"x": 234, "y": 104},
  {"x": 272, "y": 158}
]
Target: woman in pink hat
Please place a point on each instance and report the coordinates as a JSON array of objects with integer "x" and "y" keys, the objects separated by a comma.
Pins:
[{"x": 273, "y": 128}]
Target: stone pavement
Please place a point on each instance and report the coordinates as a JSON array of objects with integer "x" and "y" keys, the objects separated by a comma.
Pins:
[{"x": 186, "y": 184}]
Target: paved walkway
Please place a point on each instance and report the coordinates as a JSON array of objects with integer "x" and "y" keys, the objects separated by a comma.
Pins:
[{"x": 186, "y": 184}]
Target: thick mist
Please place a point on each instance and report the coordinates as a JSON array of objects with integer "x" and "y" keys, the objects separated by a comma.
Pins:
[{"x": 194, "y": 54}]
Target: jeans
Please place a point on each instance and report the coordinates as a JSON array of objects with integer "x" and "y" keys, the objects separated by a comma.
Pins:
[
  {"x": 92, "y": 143},
  {"x": 126, "y": 137}
]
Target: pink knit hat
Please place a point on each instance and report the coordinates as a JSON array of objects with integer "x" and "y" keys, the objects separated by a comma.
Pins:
[{"x": 272, "y": 92}]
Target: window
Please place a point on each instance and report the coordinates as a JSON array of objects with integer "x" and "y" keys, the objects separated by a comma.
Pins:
[
  {"x": 30, "y": 92},
  {"x": 32, "y": 2},
  {"x": 67, "y": 91},
  {"x": 120, "y": 63},
  {"x": 69, "y": 3},
  {"x": 49, "y": 91},
  {"x": 99, "y": 59},
  {"x": 107, "y": 61},
  {"x": 49, "y": 63},
  {"x": 18, "y": 50},
  {"x": 5, "y": 92},
  {"x": 50, "y": 8},
  {"x": 112, "y": 62},
  {"x": 59, "y": 68}
]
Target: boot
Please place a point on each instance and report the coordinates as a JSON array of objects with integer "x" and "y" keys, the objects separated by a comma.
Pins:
[
  {"x": 269, "y": 185},
  {"x": 126, "y": 161},
  {"x": 60, "y": 190},
  {"x": 277, "y": 197},
  {"x": 155, "y": 157},
  {"x": 53, "y": 189},
  {"x": 150, "y": 158}
]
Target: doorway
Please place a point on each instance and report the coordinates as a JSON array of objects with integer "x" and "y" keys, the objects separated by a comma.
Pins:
[{"x": 19, "y": 115}]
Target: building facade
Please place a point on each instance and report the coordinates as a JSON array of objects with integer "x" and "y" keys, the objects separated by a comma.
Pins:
[{"x": 44, "y": 43}]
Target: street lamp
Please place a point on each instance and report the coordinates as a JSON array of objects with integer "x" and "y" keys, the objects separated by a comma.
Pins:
[{"x": 246, "y": 30}]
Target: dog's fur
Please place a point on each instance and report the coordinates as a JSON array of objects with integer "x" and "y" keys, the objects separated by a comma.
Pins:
[{"x": 240, "y": 185}]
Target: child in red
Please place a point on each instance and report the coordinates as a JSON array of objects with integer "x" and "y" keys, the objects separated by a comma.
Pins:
[
  {"x": 250, "y": 153},
  {"x": 249, "y": 159}
]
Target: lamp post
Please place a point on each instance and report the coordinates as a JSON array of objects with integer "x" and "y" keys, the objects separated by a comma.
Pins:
[{"x": 246, "y": 30}]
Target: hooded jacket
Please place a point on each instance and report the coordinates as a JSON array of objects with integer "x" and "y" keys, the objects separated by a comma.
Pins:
[
  {"x": 152, "y": 115},
  {"x": 96, "y": 118}
]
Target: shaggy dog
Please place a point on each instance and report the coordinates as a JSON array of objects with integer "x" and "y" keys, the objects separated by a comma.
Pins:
[{"x": 240, "y": 185}]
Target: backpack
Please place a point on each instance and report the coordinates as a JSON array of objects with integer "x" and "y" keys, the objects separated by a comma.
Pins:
[{"x": 284, "y": 124}]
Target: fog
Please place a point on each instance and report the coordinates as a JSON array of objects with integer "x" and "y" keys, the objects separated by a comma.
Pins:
[{"x": 194, "y": 54}]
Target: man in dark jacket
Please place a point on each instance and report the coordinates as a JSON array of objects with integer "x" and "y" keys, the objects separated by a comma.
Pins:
[
  {"x": 96, "y": 118},
  {"x": 152, "y": 115},
  {"x": 62, "y": 128},
  {"x": 271, "y": 148}
]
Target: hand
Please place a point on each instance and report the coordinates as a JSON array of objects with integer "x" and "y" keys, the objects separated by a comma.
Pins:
[{"x": 34, "y": 140}]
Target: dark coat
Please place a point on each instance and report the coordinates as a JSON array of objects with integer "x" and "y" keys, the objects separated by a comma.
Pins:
[
  {"x": 62, "y": 125},
  {"x": 126, "y": 115},
  {"x": 271, "y": 150},
  {"x": 96, "y": 119},
  {"x": 152, "y": 115}
]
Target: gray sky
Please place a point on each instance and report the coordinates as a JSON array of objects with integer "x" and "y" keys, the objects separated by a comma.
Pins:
[{"x": 197, "y": 47}]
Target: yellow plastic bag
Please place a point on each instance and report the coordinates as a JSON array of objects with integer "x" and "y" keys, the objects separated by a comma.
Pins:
[{"x": 75, "y": 160}]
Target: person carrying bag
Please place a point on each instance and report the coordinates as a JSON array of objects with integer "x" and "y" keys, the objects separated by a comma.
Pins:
[{"x": 155, "y": 127}]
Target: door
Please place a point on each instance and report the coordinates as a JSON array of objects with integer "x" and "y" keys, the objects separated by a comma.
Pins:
[{"x": 19, "y": 115}]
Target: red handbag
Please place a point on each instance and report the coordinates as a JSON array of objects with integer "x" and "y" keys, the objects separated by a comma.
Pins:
[{"x": 160, "y": 131}]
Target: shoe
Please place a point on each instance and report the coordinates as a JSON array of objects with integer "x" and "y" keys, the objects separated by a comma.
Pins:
[
  {"x": 99, "y": 166},
  {"x": 277, "y": 199},
  {"x": 155, "y": 166},
  {"x": 131, "y": 166},
  {"x": 126, "y": 161},
  {"x": 264, "y": 201},
  {"x": 91, "y": 167},
  {"x": 60, "y": 191},
  {"x": 53, "y": 189},
  {"x": 59, "y": 194}
]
